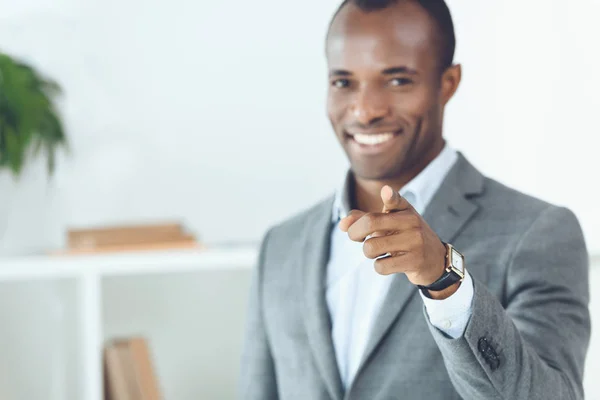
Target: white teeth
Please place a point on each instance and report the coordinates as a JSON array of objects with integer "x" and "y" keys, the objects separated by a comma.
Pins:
[{"x": 372, "y": 139}]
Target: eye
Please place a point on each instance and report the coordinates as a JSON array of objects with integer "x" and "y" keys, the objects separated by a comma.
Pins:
[
  {"x": 340, "y": 83},
  {"x": 400, "y": 81}
]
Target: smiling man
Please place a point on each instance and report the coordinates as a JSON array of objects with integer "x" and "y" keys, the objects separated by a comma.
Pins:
[{"x": 420, "y": 278}]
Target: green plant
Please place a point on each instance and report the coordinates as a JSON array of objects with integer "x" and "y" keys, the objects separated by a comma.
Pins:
[{"x": 29, "y": 120}]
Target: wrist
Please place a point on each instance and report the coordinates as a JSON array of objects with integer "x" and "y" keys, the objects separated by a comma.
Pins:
[
  {"x": 449, "y": 282},
  {"x": 444, "y": 293}
]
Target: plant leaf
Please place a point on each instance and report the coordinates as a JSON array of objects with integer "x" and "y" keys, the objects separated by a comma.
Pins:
[{"x": 29, "y": 121}]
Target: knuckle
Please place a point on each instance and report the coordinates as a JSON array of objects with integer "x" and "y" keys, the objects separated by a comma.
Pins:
[
  {"x": 419, "y": 238},
  {"x": 352, "y": 213},
  {"x": 375, "y": 247},
  {"x": 415, "y": 220},
  {"x": 384, "y": 266},
  {"x": 370, "y": 221},
  {"x": 369, "y": 248},
  {"x": 407, "y": 220},
  {"x": 353, "y": 234},
  {"x": 380, "y": 267},
  {"x": 399, "y": 218}
]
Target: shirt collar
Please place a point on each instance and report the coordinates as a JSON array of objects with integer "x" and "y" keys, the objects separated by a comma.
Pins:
[{"x": 419, "y": 191}]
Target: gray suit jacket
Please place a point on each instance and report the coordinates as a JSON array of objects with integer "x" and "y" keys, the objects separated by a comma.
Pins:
[{"x": 527, "y": 337}]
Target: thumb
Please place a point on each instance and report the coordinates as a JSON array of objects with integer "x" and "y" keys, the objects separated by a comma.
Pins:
[{"x": 392, "y": 201}]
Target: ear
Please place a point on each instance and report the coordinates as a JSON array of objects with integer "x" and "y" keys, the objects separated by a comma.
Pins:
[{"x": 450, "y": 81}]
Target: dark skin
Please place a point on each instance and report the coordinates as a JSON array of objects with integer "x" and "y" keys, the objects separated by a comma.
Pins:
[{"x": 386, "y": 101}]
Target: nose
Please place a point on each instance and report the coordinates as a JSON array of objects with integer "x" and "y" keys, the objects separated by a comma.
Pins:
[{"x": 369, "y": 107}]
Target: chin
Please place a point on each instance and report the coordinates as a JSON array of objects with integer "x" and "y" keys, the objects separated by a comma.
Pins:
[
  {"x": 373, "y": 172},
  {"x": 383, "y": 166}
]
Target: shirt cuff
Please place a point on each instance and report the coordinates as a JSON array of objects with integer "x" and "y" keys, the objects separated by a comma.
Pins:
[{"x": 452, "y": 314}]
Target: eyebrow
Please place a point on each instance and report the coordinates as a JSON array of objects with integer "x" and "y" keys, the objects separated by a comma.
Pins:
[
  {"x": 339, "y": 72},
  {"x": 399, "y": 70},
  {"x": 387, "y": 71}
]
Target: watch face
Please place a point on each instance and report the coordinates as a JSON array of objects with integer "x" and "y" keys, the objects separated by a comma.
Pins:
[{"x": 457, "y": 260}]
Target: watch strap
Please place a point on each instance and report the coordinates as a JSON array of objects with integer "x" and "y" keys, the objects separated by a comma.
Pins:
[
  {"x": 450, "y": 276},
  {"x": 447, "y": 279}
]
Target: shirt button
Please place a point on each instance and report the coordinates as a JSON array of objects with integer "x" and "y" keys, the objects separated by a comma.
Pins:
[{"x": 447, "y": 324}]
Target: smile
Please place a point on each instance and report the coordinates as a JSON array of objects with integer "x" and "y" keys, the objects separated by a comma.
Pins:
[
  {"x": 372, "y": 139},
  {"x": 371, "y": 142}
]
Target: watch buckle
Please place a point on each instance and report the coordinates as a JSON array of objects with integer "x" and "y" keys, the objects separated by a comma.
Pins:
[{"x": 451, "y": 268}]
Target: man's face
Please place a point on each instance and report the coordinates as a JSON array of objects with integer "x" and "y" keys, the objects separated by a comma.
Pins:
[{"x": 385, "y": 99}]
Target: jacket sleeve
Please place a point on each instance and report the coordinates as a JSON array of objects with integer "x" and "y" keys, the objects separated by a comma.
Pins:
[
  {"x": 535, "y": 347},
  {"x": 257, "y": 379}
]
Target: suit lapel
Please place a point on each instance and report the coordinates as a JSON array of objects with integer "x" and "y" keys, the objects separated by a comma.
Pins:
[
  {"x": 314, "y": 258},
  {"x": 451, "y": 208},
  {"x": 399, "y": 294},
  {"x": 448, "y": 211}
]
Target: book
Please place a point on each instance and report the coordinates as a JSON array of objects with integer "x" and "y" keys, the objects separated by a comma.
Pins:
[
  {"x": 116, "y": 381},
  {"x": 128, "y": 234},
  {"x": 144, "y": 370},
  {"x": 142, "y": 237},
  {"x": 129, "y": 371},
  {"x": 182, "y": 244}
]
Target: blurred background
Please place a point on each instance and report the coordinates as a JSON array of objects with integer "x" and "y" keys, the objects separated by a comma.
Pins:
[{"x": 212, "y": 114}]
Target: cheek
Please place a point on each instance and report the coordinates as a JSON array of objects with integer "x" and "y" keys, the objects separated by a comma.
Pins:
[
  {"x": 415, "y": 104},
  {"x": 337, "y": 105},
  {"x": 417, "y": 108}
]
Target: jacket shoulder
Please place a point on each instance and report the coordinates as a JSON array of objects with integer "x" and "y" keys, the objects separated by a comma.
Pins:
[
  {"x": 290, "y": 228},
  {"x": 300, "y": 218},
  {"x": 508, "y": 211}
]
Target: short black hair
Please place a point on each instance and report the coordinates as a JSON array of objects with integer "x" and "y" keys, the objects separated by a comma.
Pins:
[{"x": 437, "y": 9}]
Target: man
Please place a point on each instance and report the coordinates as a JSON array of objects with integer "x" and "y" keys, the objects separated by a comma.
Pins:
[{"x": 440, "y": 283}]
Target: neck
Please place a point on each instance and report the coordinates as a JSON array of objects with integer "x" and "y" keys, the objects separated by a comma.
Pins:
[{"x": 366, "y": 192}]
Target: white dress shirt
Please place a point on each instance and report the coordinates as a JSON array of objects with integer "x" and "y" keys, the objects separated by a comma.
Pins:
[{"x": 355, "y": 291}]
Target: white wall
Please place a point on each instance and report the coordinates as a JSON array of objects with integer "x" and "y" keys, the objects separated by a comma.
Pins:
[
  {"x": 213, "y": 112},
  {"x": 39, "y": 340}
]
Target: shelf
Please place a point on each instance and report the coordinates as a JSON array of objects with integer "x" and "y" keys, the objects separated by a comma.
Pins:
[
  {"x": 190, "y": 304},
  {"x": 147, "y": 262},
  {"x": 54, "y": 267},
  {"x": 96, "y": 282}
]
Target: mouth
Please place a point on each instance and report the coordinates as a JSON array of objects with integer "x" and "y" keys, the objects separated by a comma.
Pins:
[{"x": 371, "y": 143}]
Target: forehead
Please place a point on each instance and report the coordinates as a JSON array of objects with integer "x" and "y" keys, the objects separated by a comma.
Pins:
[{"x": 402, "y": 34}]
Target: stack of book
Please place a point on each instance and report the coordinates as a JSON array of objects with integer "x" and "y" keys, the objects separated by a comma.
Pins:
[
  {"x": 128, "y": 371},
  {"x": 128, "y": 238}
]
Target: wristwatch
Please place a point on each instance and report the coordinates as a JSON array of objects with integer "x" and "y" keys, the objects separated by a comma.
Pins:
[{"x": 454, "y": 272}]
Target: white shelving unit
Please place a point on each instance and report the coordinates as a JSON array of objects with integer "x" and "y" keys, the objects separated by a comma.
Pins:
[
  {"x": 57, "y": 312},
  {"x": 91, "y": 273}
]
